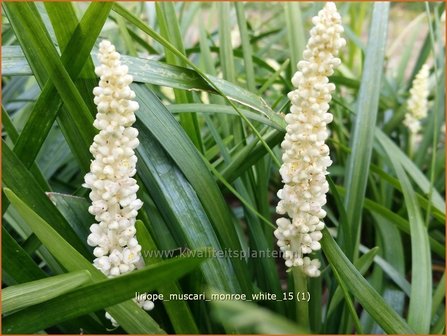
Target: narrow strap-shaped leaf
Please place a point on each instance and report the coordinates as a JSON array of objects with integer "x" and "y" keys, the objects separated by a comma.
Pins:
[
  {"x": 226, "y": 49},
  {"x": 229, "y": 126},
  {"x": 125, "y": 36},
  {"x": 128, "y": 314},
  {"x": 350, "y": 304},
  {"x": 371, "y": 301},
  {"x": 246, "y": 46},
  {"x": 295, "y": 32},
  {"x": 438, "y": 295},
  {"x": 362, "y": 264},
  {"x": 421, "y": 276},
  {"x": 34, "y": 292},
  {"x": 365, "y": 118},
  {"x": 342, "y": 217}
]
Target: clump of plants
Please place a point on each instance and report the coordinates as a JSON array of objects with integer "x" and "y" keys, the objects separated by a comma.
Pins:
[{"x": 210, "y": 168}]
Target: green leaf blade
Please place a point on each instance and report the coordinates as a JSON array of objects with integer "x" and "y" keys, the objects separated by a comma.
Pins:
[
  {"x": 366, "y": 114},
  {"x": 35, "y": 292}
]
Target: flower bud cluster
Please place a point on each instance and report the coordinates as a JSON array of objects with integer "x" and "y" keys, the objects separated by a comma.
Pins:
[
  {"x": 113, "y": 189},
  {"x": 418, "y": 102},
  {"x": 305, "y": 154}
]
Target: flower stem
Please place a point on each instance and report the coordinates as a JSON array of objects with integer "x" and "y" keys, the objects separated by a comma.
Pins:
[
  {"x": 411, "y": 140},
  {"x": 302, "y": 306}
]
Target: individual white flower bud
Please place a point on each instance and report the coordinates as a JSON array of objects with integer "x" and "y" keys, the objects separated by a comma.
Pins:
[
  {"x": 148, "y": 305},
  {"x": 114, "y": 323},
  {"x": 305, "y": 155}
]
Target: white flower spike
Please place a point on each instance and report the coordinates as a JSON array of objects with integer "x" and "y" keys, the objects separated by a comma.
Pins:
[
  {"x": 113, "y": 189},
  {"x": 305, "y": 154},
  {"x": 418, "y": 102}
]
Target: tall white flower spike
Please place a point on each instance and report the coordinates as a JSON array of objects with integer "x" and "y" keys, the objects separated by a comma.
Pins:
[
  {"x": 305, "y": 154},
  {"x": 113, "y": 189},
  {"x": 418, "y": 102}
]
